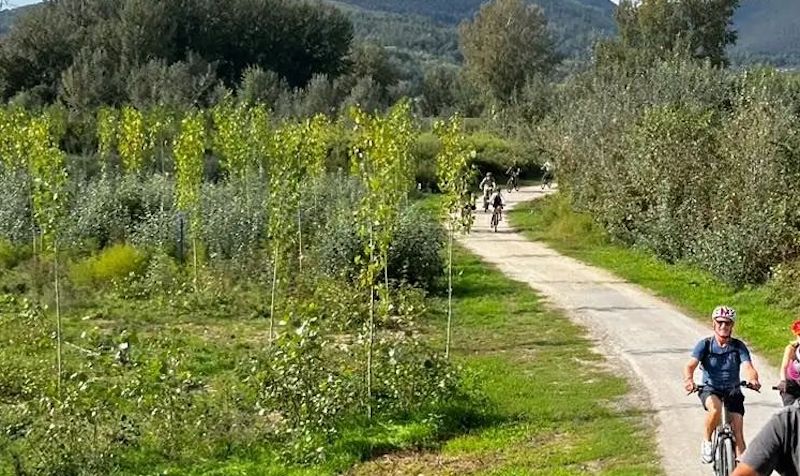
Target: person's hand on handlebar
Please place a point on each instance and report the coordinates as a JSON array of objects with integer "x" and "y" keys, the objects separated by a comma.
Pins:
[
  {"x": 754, "y": 385},
  {"x": 689, "y": 385}
]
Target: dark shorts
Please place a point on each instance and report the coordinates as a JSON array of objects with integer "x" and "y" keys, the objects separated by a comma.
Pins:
[{"x": 734, "y": 399}]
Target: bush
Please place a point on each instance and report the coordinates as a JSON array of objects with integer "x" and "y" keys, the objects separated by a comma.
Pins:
[
  {"x": 11, "y": 255},
  {"x": 688, "y": 161},
  {"x": 784, "y": 286},
  {"x": 233, "y": 218},
  {"x": 414, "y": 254},
  {"x": 112, "y": 264},
  {"x": 424, "y": 151},
  {"x": 15, "y": 213},
  {"x": 493, "y": 153}
]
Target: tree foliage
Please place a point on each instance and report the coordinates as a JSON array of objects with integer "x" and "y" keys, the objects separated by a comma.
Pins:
[
  {"x": 504, "y": 44},
  {"x": 87, "y": 51},
  {"x": 689, "y": 161},
  {"x": 658, "y": 29}
]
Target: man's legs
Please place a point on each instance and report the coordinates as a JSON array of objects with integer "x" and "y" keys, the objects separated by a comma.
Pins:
[
  {"x": 713, "y": 415},
  {"x": 737, "y": 423},
  {"x": 713, "y": 407}
]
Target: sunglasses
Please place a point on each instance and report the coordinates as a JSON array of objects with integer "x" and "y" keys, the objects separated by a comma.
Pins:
[{"x": 724, "y": 323}]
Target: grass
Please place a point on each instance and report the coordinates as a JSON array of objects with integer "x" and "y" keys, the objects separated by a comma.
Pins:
[
  {"x": 555, "y": 408},
  {"x": 548, "y": 405},
  {"x": 762, "y": 324}
]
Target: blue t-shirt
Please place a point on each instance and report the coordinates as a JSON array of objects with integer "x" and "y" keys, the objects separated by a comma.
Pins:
[{"x": 720, "y": 364}]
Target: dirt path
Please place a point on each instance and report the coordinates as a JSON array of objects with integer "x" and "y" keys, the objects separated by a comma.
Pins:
[{"x": 648, "y": 335}]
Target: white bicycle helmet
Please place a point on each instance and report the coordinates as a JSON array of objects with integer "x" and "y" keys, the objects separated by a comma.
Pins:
[{"x": 724, "y": 312}]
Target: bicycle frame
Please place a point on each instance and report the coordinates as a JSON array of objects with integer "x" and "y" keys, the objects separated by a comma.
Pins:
[
  {"x": 723, "y": 449},
  {"x": 723, "y": 432}
]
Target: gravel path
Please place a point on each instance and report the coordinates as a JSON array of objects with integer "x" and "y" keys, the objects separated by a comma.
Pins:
[{"x": 648, "y": 336}]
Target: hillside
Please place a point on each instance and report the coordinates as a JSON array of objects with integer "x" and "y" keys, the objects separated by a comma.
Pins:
[
  {"x": 432, "y": 23},
  {"x": 769, "y": 30}
]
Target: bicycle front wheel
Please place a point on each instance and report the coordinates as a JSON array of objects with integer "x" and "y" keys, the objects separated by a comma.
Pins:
[{"x": 727, "y": 458}]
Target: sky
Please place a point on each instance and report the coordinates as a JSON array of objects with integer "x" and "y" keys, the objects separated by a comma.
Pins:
[{"x": 20, "y": 3}]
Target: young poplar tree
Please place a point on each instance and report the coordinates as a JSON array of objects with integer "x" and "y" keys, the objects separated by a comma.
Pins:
[
  {"x": 131, "y": 140},
  {"x": 160, "y": 131},
  {"x": 230, "y": 139},
  {"x": 316, "y": 135},
  {"x": 189, "y": 151},
  {"x": 454, "y": 177},
  {"x": 107, "y": 130},
  {"x": 285, "y": 176},
  {"x": 48, "y": 177},
  {"x": 379, "y": 157}
]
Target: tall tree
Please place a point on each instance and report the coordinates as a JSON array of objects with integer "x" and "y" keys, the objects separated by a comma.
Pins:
[
  {"x": 657, "y": 29},
  {"x": 504, "y": 44},
  {"x": 56, "y": 46}
]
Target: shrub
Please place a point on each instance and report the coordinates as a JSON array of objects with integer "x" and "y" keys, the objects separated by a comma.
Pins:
[
  {"x": 424, "y": 151},
  {"x": 233, "y": 218},
  {"x": 784, "y": 286},
  {"x": 414, "y": 254},
  {"x": 15, "y": 213},
  {"x": 11, "y": 255},
  {"x": 691, "y": 162},
  {"x": 111, "y": 264},
  {"x": 493, "y": 153}
]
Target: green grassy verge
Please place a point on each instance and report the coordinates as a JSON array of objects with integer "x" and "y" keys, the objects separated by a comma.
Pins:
[
  {"x": 763, "y": 325},
  {"x": 555, "y": 409}
]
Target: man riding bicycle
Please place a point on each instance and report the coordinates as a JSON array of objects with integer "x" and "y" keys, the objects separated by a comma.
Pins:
[
  {"x": 488, "y": 183},
  {"x": 547, "y": 175},
  {"x": 722, "y": 357},
  {"x": 486, "y": 186},
  {"x": 513, "y": 173}
]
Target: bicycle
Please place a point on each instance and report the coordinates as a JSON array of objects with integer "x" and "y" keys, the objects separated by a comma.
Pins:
[
  {"x": 547, "y": 179},
  {"x": 723, "y": 449},
  {"x": 496, "y": 218},
  {"x": 512, "y": 184},
  {"x": 486, "y": 194}
]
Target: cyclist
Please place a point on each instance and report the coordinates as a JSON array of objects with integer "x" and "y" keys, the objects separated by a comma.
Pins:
[
  {"x": 497, "y": 202},
  {"x": 775, "y": 448},
  {"x": 789, "y": 384},
  {"x": 486, "y": 186},
  {"x": 513, "y": 173},
  {"x": 722, "y": 357},
  {"x": 547, "y": 176}
]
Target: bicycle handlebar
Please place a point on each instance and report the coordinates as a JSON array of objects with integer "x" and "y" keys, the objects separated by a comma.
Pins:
[{"x": 743, "y": 383}]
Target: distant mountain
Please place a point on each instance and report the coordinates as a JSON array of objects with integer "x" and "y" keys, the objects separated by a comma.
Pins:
[
  {"x": 576, "y": 24},
  {"x": 769, "y": 31}
]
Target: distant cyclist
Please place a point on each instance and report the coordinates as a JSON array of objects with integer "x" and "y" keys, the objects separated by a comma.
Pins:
[
  {"x": 487, "y": 183},
  {"x": 513, "y": 173},
  {"x": 547, "y": 175},
  {"x": 789, "y": 384},
  {"x": 498, "y": 202},
  {"x": 486, "y": 186},
  {"x": 722, "y": 357}
]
